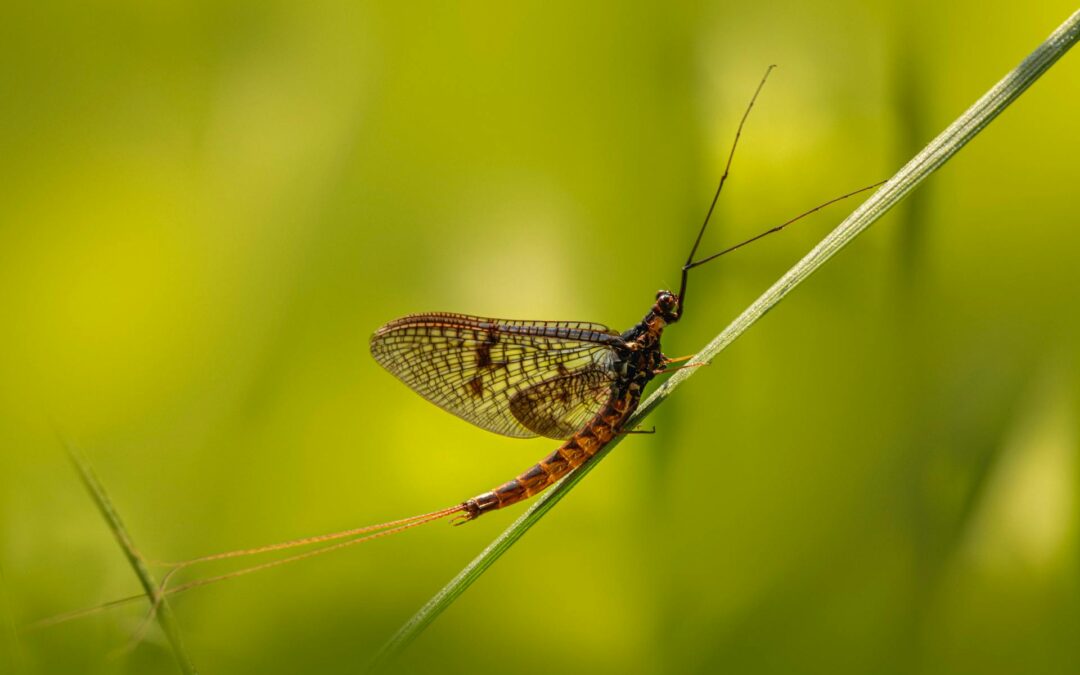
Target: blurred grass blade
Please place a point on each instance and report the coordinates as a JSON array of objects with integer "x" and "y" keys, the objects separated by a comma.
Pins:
[
  {"x": 164, "y": 613},
  {"x": 11, "y": 655},
  {"x": 956, "y": 136}
]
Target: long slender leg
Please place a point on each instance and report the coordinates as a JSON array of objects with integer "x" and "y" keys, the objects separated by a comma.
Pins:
[{"x": 668, "y": 371}]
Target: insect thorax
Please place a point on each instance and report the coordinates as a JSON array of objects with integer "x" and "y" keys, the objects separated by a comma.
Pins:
[{"x": 641, "y": 358}]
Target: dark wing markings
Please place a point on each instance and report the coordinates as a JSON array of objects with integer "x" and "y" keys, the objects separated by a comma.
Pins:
[
  {"x": 474, "y": 367},
  {"x": 559, "y": 407}
]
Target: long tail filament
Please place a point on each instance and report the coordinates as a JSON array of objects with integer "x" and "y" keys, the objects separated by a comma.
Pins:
[{"x": 351, "y": 537}]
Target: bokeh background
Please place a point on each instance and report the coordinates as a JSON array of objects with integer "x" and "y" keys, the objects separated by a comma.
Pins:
[{"x": 207, "y": 208}]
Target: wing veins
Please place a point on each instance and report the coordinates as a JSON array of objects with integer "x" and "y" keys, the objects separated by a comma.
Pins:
[{"x": 474, "y": 367}]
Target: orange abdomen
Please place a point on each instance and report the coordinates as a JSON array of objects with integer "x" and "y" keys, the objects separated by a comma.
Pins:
[{"x": 577, "y": 450}]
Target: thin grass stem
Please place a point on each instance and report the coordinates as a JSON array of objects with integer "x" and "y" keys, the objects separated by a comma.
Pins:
[{"x": 165, "y": 617}]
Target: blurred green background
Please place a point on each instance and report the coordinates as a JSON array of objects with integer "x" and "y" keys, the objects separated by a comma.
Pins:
[{"x": 207, "y": 208}]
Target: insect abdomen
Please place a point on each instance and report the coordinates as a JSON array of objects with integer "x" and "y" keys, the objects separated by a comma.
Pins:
[{"x": 577, "y": 450}]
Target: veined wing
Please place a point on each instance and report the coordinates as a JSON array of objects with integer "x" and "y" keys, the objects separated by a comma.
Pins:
[
  {"x": 474, "y": 367},
  {"x": 559, "y": 407}
]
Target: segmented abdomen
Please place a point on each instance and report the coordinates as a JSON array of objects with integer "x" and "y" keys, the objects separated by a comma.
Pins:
[{"x": 577, "y": 450}]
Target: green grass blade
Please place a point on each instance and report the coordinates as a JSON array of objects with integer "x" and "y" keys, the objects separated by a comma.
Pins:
[
  {"x": 11, "y": 656},
  {"x": 932, "y": 157},
  {"x": 164, "y": 613}
]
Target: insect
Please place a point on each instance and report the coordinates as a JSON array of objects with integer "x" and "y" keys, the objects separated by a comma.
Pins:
[
  {"x": 577, "y": 382},
  {"x": 571, "y": 381}
]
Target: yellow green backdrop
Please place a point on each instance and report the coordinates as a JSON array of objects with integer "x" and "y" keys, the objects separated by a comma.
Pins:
[{"x": 206, "y": 209}]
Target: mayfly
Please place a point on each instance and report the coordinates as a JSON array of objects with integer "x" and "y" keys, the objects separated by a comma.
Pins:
[{"x": 576, "y": 382}]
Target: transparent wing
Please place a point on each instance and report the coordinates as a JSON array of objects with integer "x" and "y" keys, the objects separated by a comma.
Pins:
[
  {"x": 474, "y": 367},
  {"x": 559, "y": 407}
]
